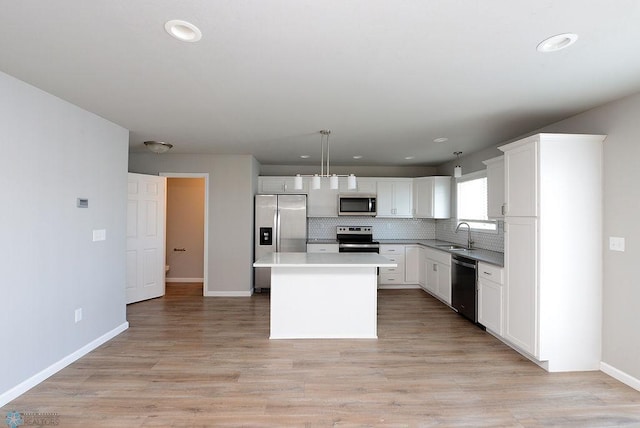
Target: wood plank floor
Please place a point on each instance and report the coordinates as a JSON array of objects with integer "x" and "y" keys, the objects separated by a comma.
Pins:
[{"x": 192, "y": 361}]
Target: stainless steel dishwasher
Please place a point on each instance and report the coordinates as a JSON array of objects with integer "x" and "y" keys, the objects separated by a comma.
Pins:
[{"x": 463, "y": 286}]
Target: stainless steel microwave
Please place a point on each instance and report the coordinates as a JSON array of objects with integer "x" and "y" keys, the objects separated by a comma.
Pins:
[{"x": 357, "y": 205}]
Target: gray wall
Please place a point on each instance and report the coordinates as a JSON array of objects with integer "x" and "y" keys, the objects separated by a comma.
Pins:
[
  {"x": 619, "y": 120},
  {"x": 232, "y": 184},
  {"x": 51, "y": 153}
]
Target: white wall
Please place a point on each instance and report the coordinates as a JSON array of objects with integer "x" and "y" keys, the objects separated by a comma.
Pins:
[
  {"x": 232, "y": 183},
  {"x": 51, "y": 153},
  {"x": 619, "y": 120}
]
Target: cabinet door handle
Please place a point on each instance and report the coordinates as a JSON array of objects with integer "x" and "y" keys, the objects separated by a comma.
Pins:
[
  {"x": 503, "y": 209},
  {"x": 486, "y": 273}
]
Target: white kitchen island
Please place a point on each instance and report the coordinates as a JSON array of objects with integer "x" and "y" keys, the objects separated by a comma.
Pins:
[{"x": 324, "y": 295}]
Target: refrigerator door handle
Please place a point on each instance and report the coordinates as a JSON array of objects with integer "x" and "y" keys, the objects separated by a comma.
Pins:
[{"x": 277, "y": 221}]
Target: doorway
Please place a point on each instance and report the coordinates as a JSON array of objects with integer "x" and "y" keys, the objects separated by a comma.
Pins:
[{"x": 187, "y": 225}]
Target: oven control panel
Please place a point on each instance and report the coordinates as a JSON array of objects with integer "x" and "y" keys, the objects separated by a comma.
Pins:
[{"x": 357, "y": 230}]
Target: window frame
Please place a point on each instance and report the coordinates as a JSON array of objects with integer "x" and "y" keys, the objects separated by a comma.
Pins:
[{"x": 473, "y": 222}]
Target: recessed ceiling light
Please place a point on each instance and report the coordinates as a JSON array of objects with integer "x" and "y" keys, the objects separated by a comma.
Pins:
[
  {"x": 305, "y": 156},
  {"x": 357, "y": 157},
  {"x": 409, "y": 157},
  {"x": 558, "y": 42},
  {"x": 441, "y": 140},
  {"x": 183, "y": 30}
]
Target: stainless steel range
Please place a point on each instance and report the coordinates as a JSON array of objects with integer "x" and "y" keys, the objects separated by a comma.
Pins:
[{"x": 356, "y": 239}]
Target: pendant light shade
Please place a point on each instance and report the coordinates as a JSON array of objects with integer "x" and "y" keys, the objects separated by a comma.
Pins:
[
  {"x": 297, "y": 182},
  {"x": 333, "y": 182},
  {"x": 315, "y": 182},
  {"x": 351, "y": 182}
]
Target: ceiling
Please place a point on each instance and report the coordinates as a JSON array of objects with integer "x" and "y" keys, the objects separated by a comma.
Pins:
[{"x": 387, "y": 77}]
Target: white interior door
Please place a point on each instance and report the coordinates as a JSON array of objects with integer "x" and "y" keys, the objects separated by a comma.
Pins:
[{"x": 145, "y": 237}]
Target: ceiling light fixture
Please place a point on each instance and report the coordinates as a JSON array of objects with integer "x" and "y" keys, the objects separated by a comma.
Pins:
[
  {"x": 305, "y": 156},
  {"x": 557, "y": 42},
  {"x": 457, "y": 170},
  {"x": 441, "y": 140},
  {"x": 357, "y": 157},
  {"x": 158, "y": 146},
  {"x": 183, "y": 30},
  {"x": 409, "y": 157},
  {"x": 316, "y": 178}
]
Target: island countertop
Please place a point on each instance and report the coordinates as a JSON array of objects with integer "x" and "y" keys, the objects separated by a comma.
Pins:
[{"x": 324, "y": 260}]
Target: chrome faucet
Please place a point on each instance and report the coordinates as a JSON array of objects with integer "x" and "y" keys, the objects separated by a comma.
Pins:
[{"x": 469, "y": 241}]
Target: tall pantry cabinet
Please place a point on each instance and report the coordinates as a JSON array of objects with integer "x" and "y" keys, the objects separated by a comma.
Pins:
[{"x": 553, "y": 249}]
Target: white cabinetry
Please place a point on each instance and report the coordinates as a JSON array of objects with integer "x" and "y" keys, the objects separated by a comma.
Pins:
[
  {"x": 322, "y": 248},
  {"x": 394, "y": 197},
  {"x": 432, "y": 197},
  {"x": 490, "y": 280},
  {"x": 275, "y": 185},
  {"x": 412, "y": 263},
  {"x": 438, "y": 274},
  {"x": 394, "y": 275},
  {"x": 365, "y": 185},
  {"x": 495, "y": 187},
  {"x": 322, "y": 202},
  {"x": 553, "y": 249}
]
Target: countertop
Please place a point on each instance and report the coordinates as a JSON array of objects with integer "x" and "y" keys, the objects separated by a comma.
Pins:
[
  {"x": 478, "y": 254},
  {"x": 323, "y": 260}
]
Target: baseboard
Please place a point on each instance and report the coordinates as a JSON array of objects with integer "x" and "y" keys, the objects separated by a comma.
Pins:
[
  {"x": 184, "y": 280},
  {"x": 398, "y": 286},
  {"x": 620, "y": 375},
  {"x": 34, "y": 380},
  {"x": 247, "y": 293}
]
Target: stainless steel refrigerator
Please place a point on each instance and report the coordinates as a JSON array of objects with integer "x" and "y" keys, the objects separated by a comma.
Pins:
[{"x": 280, "y": 226}]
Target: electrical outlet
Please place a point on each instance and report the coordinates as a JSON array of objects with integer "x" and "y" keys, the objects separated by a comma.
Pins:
[
  {"x": 616, "y": 243},
  {"x": 78, "y": 315},
  {"x": 99, "y": 235}
]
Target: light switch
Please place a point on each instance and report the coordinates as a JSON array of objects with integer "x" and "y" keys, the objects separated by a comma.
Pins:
[
  {"x": 99, "y": 235},
  {"x": 616, "y": 243}
]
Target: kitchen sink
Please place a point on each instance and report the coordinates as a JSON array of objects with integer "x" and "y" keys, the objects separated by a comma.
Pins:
[{"x": 451, "y": 247}]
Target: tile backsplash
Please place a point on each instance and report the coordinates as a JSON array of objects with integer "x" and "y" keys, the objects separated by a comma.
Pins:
[
  {"x": 399, "y": 228},
  {"x": 383, "y": 228},
  {"x": 445, "y": 231}
]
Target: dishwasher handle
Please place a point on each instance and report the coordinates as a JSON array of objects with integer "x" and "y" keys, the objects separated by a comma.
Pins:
[{"x": 461, "y": 263}]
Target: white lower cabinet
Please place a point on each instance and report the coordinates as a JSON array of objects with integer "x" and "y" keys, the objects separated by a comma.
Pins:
[
  {"x": 394, "y": 275},
  {"x": 490, "y": 297},
  {"x": 438, "y": 274},
  {"x": 412, "y": 264}
]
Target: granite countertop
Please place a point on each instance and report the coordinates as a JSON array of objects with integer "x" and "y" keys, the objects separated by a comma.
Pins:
[
  {"x": 322, "y": 241},
  {"x": 479, "y": 254}
]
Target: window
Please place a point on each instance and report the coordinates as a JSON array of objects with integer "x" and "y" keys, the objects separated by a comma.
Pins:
[{"x": 471, "y": 191}]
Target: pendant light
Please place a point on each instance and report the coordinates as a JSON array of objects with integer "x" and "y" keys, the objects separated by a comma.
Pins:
[
  {"x": 316, "y": 179},
  {"x": 457, "y": 170}
]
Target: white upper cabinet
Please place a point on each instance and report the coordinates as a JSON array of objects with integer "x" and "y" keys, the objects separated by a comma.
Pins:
[
  {"x": 365, "y": 185},
  {"x": 395, "y": 197},
  {"x": 432, "y": 197},
  {"x": 521, "y": 175},
  {"x": 495, "y": 187},
  {"x": 268, "y": 185},
  {"x": 322, "y": 202}
]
